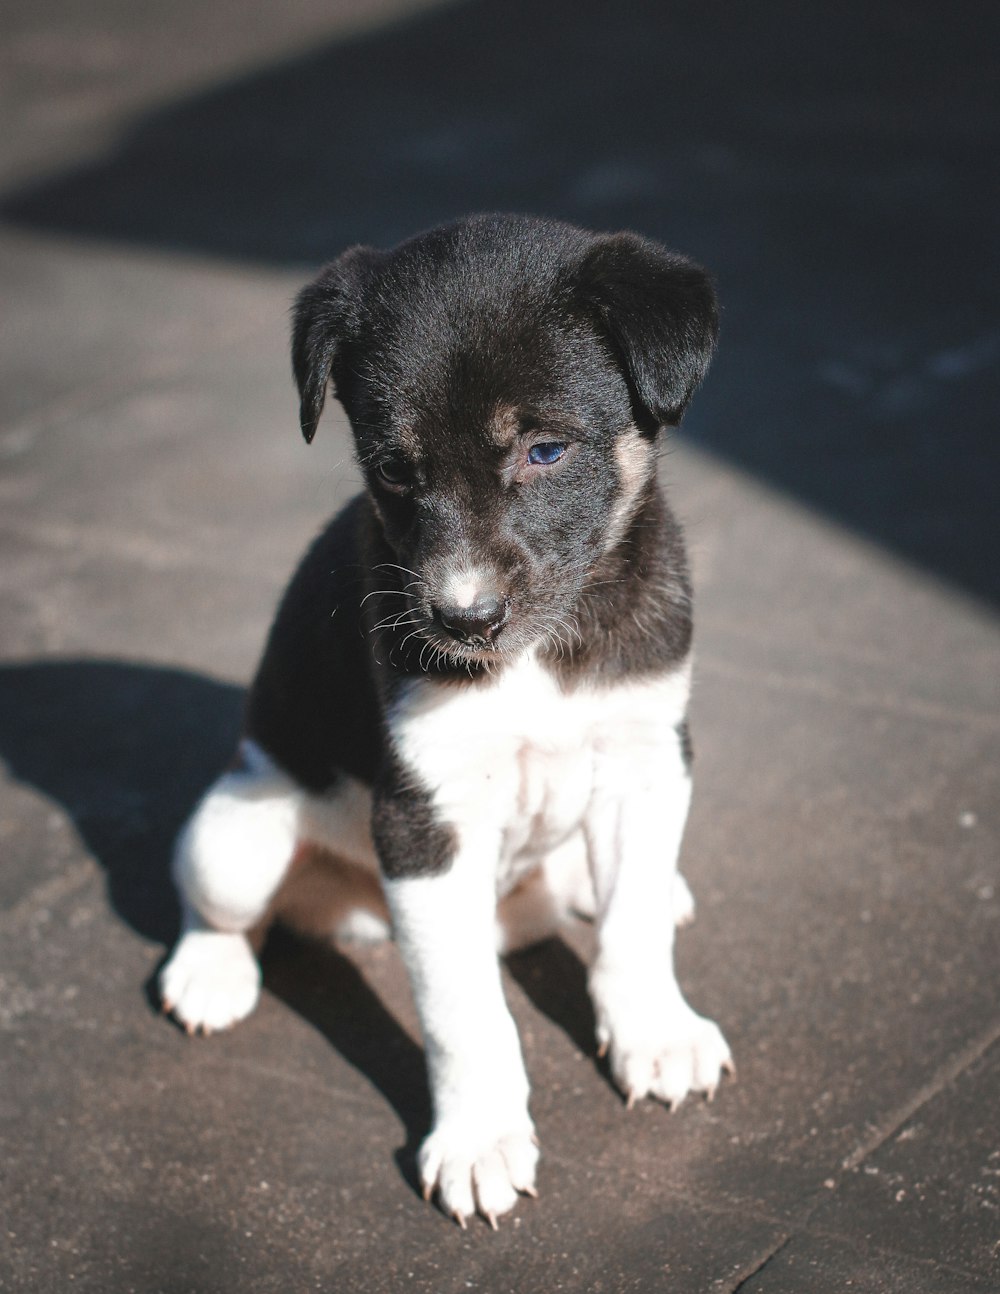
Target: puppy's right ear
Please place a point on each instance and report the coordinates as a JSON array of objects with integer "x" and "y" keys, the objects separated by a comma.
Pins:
[{"x": 325, "y": 313}]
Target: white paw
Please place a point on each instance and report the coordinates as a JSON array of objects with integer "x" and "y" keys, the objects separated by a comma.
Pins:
[
  {"x": 656, "y": 1045},
  {"x": 476, "y": 1168},
  {"x": 211, "y": 981},
  {"x": 682, "y": 901}
]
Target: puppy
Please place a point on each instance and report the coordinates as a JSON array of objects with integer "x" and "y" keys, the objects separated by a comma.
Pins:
[{"x": 470, "y": 716}]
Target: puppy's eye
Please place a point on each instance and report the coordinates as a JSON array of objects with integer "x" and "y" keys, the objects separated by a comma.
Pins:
[
  {"x": 546, "y": 453},
  {"x": 393, "y": 473}
]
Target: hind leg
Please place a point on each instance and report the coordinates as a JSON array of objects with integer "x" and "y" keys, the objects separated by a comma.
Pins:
[
  {"x": 328, "y": 898},
  {"x": 229, "y": 863},
  {"x": 259, "y": 847}
]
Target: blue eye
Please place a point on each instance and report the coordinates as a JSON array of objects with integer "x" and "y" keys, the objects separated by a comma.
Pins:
[{"x": 546, "y": 453}]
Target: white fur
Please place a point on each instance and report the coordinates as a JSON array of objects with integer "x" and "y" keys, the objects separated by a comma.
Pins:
[
  {"x": 519, "y": 769},
  {"x": 341, "y": 821},
  {"x": 560, "y": 801},
  {"x": 234, "y": 851},
  {"x": 212, "y": 981},
  {"x": 361, "y": 927},
  {"x": 230, "y": 862},
  {"x": 522, "y": 751},
  {"x": 461, "y": 588},
  {"x": 233, "y": 857},
  {"x": 480, "y": 1152}
]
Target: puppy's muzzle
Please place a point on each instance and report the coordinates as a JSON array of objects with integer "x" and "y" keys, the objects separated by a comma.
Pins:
[{"x": 477, "y": 624}]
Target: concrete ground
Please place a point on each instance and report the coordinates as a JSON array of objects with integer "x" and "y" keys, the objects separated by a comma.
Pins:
[{"x": 170, "y": 175}]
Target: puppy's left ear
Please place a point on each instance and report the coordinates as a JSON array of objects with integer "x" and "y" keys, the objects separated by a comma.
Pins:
[
  {"x": 325, "y": 314},
  {"x": 660, "y": 314}
]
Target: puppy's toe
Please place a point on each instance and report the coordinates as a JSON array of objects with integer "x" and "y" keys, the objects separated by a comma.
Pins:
[
  {"x": 692, "y": 1063},
  {"x": 657, "y": 1046},
  {"x": 453, "y": 1178},
  {"x": 689, "y": 1055},
  {"x": 211, "y": 981},
  {"x": 520, "y": 1156},
  {"x": 481, "y": 1173}
]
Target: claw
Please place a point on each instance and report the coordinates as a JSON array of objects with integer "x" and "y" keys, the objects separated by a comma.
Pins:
[
  {"x": 190, "y": 1029},
  {"x": 534, "y": 1140},
  {"x": 630, "y": 1098},
  {"x": 166, "y": 1006},
  {"x": 728, "y": 1067},
  {"x": 427, "y": 1190},
  {"x": 491, "y": 1218},
  {"x": 460, "y": 1219},
  {"x": 602, "y": 1050},
  {"x": 529, "y": 1190},
  {"x": 710, "y": 1094}
]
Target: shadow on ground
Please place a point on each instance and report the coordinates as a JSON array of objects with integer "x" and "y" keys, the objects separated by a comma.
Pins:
[
  {"x": 126, "y": 750},
  {"x": 835, "y": 167}
]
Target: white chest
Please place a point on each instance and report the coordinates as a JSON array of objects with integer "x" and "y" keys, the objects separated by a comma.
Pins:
[{"x": 512, "y": 764}]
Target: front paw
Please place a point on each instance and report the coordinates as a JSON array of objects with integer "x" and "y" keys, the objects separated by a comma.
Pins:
[
  {"x": 211, "y": 981},
  {"x": 476, "y": 1165},
  {"x": 657, "y": 1048}
]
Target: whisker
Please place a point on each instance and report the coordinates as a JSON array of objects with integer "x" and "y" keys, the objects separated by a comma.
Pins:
[
  {"x": 413, "y": 634},
  {"x": 397, "y": 620},
  {"x": 553, "y": 633},
  {"x": 384, "y": 566},
  {"x": 399, "y": 593}
]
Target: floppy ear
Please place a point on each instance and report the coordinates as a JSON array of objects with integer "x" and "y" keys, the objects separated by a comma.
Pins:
[
  {"x": 659, "y": 311},
  {"x": 325, "y": 312}
]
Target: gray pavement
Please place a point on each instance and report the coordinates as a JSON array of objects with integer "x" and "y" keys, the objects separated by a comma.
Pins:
[{"x": 170, "y": 174}]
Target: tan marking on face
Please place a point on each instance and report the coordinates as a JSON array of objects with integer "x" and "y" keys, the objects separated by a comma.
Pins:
[
  {"x": 505, "y": 425},
  {"x": 634, "y": 457}
]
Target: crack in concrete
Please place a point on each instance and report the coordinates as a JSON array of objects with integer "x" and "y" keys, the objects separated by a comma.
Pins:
[
  {"x": 943, "y": 1076},
  {"x": 768, "y": 1257},
  {"x": 946, "y": 1074}
]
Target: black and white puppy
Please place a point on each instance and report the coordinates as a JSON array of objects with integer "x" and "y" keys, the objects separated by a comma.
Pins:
[{"x": 470, "y": 717}]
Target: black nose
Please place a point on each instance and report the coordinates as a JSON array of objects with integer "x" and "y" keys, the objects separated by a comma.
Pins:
[{"x": 483, "y": 619}]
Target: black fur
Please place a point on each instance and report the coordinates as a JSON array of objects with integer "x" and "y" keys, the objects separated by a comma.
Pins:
[
  {"x": 659, "y": 311},
  {"x": 409, "y": 839},
  {"x": 453, "y": 356},
  {"x": 313, "y": 705}
]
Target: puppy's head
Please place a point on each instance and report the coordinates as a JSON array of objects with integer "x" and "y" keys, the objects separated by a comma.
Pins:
[{"x": 505, "y": 379}]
